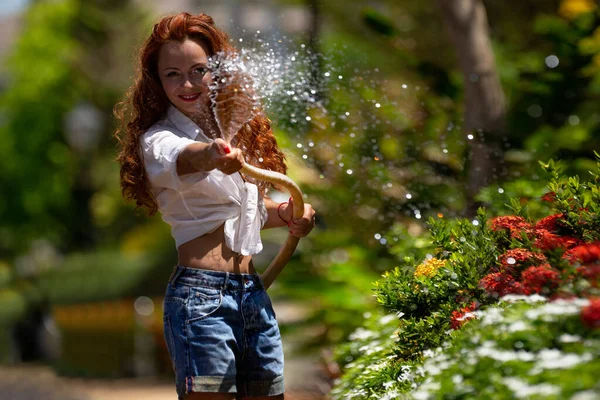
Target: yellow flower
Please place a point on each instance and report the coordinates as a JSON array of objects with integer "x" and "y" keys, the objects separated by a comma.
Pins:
[
  {"x": 570, "y": 9},
  {"x": 429, "y": 267}
]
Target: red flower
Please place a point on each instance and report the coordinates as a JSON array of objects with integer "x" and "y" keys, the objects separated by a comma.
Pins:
[
  {"x": 550, "y": 223},
  {"x": 459, "y": 317},
  {"x": 590, "y": 315},
  {"x": 585, "y": 254},
  {"x": 512, "y": 223},
  {"x": 498, "y": 284},
  {"x": 546, "y": 241},
  {"x": 549, "y": 197},
  {"x": 519, "y": 258},
  {"x": 542, "y": 278}
]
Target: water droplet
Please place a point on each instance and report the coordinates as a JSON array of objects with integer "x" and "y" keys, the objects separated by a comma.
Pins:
[
  {"x": 241, "y": 40},
  {"x": 500, "y": 190},
  {"x": 377, "y": 105},
  {"x": 475, "y": 222},
  {"x": 305, "y": 156},
  {"x": 552, "y": 61},
  {"x": 408, "y": 196},
  {"x": 463, "y": 239},
  {"x": 470, "y": 136},
  {"x": 574, "y": 120},
  {"x": 311, "y": 144},
  {"x": 404, "y": 86},
  {"x": 534, "y": 110},
  {"x": 327, "y": 74},
  {"x": 144, "y": 305},
  {"x": 299, "y": 145},
  {"x": 377, "y": 236},
  {"x": 308, "y": 118},
  {"x": 510, "y": 260},
  {"x": 349, "y": 172},
  {"x": 260, "y": 159},
  {"x": 340, "y": 76},
  {"x": 382, "y": 241}
]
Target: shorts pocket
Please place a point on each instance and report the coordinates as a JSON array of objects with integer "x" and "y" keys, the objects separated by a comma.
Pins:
[
  {"x": 269, "y": 305},
  {"x": 203, "y": 301},
  {"x": 168, "y": 332}
]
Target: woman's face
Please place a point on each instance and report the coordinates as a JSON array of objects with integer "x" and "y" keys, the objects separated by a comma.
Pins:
[{"x": 183, "y": 74}]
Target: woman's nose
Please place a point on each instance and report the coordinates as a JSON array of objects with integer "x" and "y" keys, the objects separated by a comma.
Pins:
[{"x": 187, "y": 83}]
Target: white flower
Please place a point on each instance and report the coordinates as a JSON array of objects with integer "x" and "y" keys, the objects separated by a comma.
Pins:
[
  {"x": 362, "y": 334},
  {"x": 518, "y": 326},
  {"x": 489, "y": 316},
  {"x": 523, "y": 390},
  {"x": 390, "y": 395},
  {"x": 555, "y": 359},
  {"x": 586, "y": 395},
  {"x": 566, "y": 338},
  {"x": 513, "y": 298},
  {"x": 560, "y": 307},
  {"x": 386, "y": 319}
]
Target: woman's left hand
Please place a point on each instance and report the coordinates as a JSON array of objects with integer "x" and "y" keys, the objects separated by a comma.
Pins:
[{"x": 302, "y": 226}]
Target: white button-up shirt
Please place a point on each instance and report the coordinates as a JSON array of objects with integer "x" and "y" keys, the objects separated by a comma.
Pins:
[{"x": 198, "y": 203}]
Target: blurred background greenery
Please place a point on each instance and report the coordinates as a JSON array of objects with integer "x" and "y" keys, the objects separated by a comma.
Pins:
[{"x": 396, "y": 136}]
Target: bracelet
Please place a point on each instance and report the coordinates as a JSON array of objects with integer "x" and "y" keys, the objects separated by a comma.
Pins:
[{"x": 279, "y": 213}]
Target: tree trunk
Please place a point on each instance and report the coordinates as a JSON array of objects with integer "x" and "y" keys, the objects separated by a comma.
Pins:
[{"x": 485, "y": 111}]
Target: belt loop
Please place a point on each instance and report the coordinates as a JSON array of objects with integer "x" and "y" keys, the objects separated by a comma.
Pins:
[
  {"x": 226, "y": 281},
  {"x": 177, "y": 270}
]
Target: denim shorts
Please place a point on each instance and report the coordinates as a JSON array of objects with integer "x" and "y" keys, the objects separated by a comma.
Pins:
[{"x": 221, "y": 334}]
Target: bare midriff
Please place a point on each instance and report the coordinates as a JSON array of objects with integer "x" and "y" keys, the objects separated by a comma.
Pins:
[{"x": 210, "y": 252}]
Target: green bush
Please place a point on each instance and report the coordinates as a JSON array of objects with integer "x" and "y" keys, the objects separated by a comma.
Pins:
[{"x": 475, "y": 265}]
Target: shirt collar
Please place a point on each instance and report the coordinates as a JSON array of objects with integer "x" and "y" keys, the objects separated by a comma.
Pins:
[{"x": 186, "y": 125}]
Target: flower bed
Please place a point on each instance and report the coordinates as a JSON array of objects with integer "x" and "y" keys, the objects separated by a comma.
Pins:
[{"x": 507, "y": 307}]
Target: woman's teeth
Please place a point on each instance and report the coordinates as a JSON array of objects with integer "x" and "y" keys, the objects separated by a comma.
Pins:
[{"x": 190, "y": 97}]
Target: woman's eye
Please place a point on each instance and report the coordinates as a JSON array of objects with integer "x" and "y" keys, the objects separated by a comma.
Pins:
[
  {"x": 199, "y": 71},
  {"x": 172, "y": 73}
]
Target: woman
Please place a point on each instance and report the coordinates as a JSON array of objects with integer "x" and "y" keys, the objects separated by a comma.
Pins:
[{"x": 219, "y": 324}]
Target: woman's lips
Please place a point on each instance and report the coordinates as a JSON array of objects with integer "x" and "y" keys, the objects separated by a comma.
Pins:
[{"x": 189, "y": 97}]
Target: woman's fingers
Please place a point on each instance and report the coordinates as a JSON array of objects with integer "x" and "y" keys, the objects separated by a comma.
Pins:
[
  {"x": 222, "y": 146},
  {"x": 230, "y": 163},
  {"x": 301, "y": 227}
]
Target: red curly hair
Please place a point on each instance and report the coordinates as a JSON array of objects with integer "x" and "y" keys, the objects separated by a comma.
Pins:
[{"x": 146, "y": 102}]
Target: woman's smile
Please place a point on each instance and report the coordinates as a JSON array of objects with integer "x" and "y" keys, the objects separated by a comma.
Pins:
[{"x": 189, "y": 98}]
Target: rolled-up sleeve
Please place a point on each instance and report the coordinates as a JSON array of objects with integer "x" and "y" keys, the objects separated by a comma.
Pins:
[{"x": 160, "y": 150}]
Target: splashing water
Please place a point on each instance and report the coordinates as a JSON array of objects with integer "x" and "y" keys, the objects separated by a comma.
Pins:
[
  {"x": 232, "y": 93},
  {"x": 266, "y": 77},
  {"x": 343, "y": 122}
]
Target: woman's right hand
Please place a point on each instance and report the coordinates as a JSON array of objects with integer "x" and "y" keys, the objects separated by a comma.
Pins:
[{"x": 226, "y": 159}]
